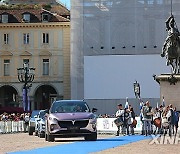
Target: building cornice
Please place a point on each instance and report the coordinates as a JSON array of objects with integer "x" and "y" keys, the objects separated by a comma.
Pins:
[
  {"x": 5, "y": 53},
  {"x": 35, "y": 25}
]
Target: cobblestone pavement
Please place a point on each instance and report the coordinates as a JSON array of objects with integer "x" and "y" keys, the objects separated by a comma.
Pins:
[
  {"x": 144, "y": 147},
  {"x": 22, "y": 141}
]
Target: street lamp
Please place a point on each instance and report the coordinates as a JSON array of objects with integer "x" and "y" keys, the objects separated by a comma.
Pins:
[
  {"x": 26, "y": 75},
  {"x": 137, "y": 89}
]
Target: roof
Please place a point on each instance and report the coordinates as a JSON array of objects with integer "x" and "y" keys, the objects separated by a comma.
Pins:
[
  {"x": 16, "y": 15},
  {"x": 59, "y": 101},
  {"x": 32, "y": 2},
  {"x": 60, "y": 9}
]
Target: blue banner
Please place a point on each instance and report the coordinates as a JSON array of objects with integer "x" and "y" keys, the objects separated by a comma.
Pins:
[
  {"x": 29, "y": 104},
  {"x": 24, "y": 99}
]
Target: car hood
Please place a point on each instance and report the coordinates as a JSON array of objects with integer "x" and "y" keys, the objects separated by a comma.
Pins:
[{"x": 72, "y": 116}]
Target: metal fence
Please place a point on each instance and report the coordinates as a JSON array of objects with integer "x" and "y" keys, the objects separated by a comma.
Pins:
[{"x": 12, "y": 127}]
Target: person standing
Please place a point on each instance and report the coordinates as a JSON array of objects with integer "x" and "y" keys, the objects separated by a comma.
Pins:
[
  {"x": 165, "y": 117},
  {"x": 120, "y": 114},
  {"x": 171, "y": 119},
  {"x": 127, "y": 121},
  {"x": 156, "y": 117},
  {"x": 160, "y": 116},
  {"x": 132, "y": 115},
  {"x": 142, "y": 118},
  {"x": 26, "y": 122},
  {"x": 147, "y": 115},
  {"x": 176, "y": 119}
]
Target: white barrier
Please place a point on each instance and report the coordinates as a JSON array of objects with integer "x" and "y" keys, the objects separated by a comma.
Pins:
[
  {"x": 11, "y": 126},
  {"x": 139, "y": 125},
  {"x": 104, "y": 125},
  {"x": 21, "y": 126},
  {"x": 107, "y": 125},
  {"x": 14, "y": 126},
  {"x": 8, "y": 127},
  {"x": 2, "y": 126}
]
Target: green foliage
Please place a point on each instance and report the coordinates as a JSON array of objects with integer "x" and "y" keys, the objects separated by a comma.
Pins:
[
  {"x": 19, "y": 6},
  {"x": 47, "y": 7}
]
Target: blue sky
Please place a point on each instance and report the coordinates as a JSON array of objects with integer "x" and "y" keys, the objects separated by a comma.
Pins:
[{"x": 66, "y": 2}]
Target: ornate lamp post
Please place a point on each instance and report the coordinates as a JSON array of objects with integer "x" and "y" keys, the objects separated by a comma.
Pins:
[
  {"x": 26, "y": 75},
  {"x": 137, "y": 89}
]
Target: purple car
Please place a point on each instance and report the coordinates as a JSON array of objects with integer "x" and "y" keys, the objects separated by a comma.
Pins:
[{"x": 70, "y": 118}]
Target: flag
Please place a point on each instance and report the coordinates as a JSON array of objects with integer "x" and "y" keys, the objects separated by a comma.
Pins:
[
  {"x": 157, "y": 105},
  {"x": 28, "y": 101},
  {"x": 163, "y": 102},
  {"x": 140, "y": 105},
  {"x": 24, "y": 99},
  {"x": 127, "y": 103},
  {"x": 29, "y": 104}
]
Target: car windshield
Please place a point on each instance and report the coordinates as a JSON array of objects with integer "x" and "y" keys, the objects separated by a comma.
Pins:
[
  {"x": 69, "y": 107},
  {"x": 35, "y": 112},
  {"x": 41, "y": 114}
]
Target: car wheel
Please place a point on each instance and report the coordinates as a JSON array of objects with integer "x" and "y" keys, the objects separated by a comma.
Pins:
[
  {"x": 92, "y": 137},
  {"x": 30, "y": 130},
  {"x": 36, "y": 133},
  {"x": 50, "y": 138},
  {"x": 41, "y": 135},
  {"x": 45, "y": 137}
]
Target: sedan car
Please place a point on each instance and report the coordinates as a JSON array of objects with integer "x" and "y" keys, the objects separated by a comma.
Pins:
[
  {"x": 39, "y": 119},
  {"x": 40, "y": 127},
  {"x": 32, "y": 121},
  {"x": 70, "y": 118}
]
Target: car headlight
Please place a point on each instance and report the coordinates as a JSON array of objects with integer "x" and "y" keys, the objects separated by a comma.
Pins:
[
  {"x": 94, "y": 126},
  {"x": 43, "y": 126},
  {"x": 93, "y": 121},
  {"x": 92, "y": 116},
  {"x": 52, "y": 119}
]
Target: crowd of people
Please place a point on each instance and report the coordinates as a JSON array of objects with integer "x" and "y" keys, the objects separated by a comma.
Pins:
[
  {"x": 164, "y": 118},
  {"x": 125, "y": 120},
  {"x": 14, "y": 116}
]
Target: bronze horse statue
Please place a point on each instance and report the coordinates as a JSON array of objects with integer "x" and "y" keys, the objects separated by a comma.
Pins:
[{"x": 171, "y": 47}]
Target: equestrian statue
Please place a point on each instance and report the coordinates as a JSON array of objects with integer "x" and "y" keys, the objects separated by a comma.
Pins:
[{"x": 171, "y": 46}]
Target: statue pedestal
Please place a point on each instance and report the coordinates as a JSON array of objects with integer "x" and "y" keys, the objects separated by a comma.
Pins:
[{"x": 170, "y": 89}]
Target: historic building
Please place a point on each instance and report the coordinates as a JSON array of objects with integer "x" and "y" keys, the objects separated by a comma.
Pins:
[
  {"x": 52, "y": 2},
  {"x": 41, "y": 38}
]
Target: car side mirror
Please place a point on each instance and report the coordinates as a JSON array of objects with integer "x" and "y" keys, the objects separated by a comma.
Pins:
[
  {"x": 94, "y": 110},
  {"x": 46, "y": 115},
  {"x": 46, "y": 111}
]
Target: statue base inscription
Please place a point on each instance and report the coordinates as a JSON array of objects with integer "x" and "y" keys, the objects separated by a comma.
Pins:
[{"x": 169, "y": 89}]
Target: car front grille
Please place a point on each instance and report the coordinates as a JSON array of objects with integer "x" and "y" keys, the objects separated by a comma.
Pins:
[{"x": 73, "y": 123}]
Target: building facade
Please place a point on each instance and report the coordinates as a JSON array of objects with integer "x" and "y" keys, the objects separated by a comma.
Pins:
[
  {"x": 42, "y": 39},
  {"x": 132, "y": 31}
]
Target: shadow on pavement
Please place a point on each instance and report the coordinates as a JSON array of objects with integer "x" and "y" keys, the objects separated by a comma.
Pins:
[{"x": 82, "y": 140}]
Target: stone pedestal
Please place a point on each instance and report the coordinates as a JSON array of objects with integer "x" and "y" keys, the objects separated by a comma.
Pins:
[{"x": 170, "y": 89}]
